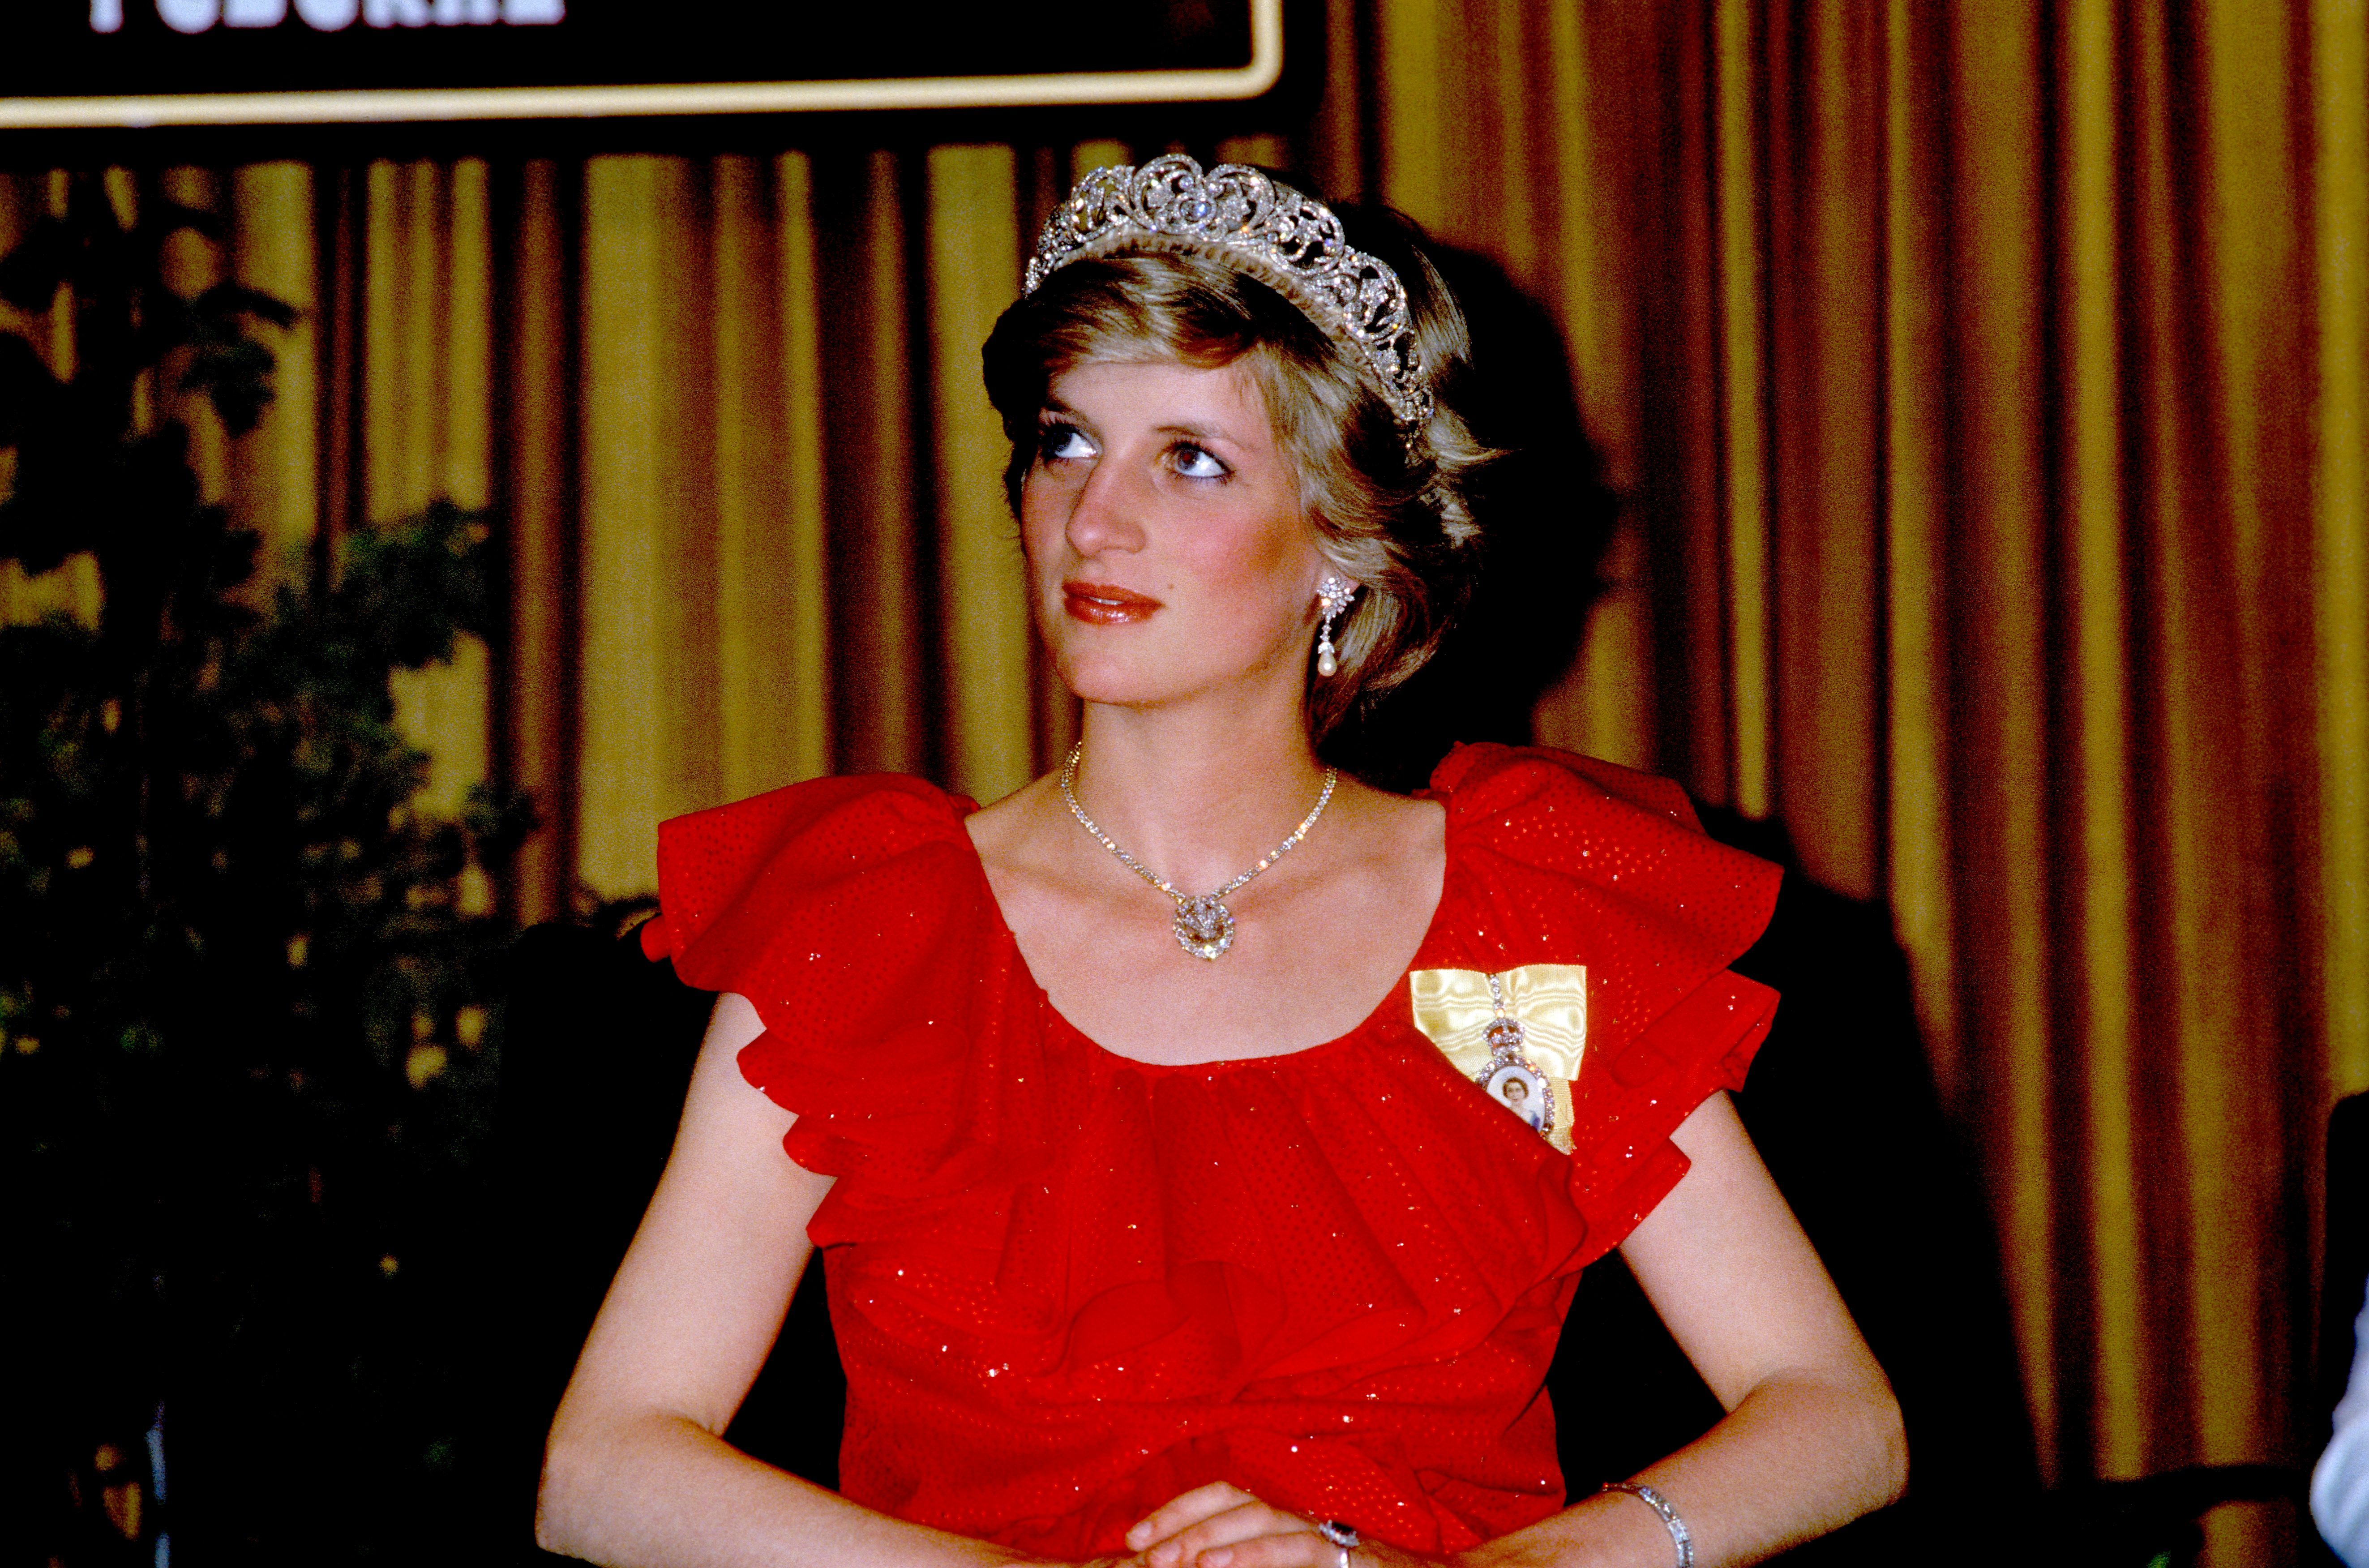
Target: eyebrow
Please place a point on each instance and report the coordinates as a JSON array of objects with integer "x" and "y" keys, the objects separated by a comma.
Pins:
[
  {"x": 1060, "y": 409},
  {"x": 1201, "y": 432}
]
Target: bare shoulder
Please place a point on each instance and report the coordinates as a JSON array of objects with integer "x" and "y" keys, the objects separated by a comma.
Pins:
[
  {"x": 1021, "y": 839},
  {"x": 1023, "y": 848},
  {"x": 1395, "y": 825},
  {"x": 1388, "y": 848},
  {"x": 1005, "y": 832}
]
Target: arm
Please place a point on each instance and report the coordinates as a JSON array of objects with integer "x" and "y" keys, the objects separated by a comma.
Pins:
[
  {"x": 636, "y": 1470},
  {"x": 1812, "y": 1436}
]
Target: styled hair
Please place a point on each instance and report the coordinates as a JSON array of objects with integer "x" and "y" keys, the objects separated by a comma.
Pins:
[{"x": 1391, "y": 513}]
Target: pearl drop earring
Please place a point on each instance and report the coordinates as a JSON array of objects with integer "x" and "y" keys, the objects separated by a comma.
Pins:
[{"x": 1334, "y": 594}]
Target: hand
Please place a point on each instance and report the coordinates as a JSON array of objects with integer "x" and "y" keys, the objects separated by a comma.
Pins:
[{"x": 1220, "y": 1525}]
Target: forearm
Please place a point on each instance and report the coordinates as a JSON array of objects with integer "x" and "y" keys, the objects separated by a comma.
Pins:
[
  {"x": 657, "y": 1491},
  {"x": 1796, "y": 1457}
]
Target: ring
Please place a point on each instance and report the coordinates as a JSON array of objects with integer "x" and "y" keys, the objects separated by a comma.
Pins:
[{"x": 1340, "y": 1535}]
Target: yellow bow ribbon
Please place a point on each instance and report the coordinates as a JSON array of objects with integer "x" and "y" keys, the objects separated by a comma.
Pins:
[{"x": 1453, "y": 1009}]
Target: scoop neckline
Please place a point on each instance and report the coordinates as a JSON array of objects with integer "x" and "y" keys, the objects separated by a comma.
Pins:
[{"x": 964, "y": 807}]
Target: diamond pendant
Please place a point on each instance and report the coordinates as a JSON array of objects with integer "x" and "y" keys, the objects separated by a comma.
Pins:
[
  {"x": 1204, "y": 928},
  {"x": 1514, "y": 1081}
]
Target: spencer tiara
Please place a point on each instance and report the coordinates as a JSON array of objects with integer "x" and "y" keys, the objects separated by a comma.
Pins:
[{"x": 1287, "y": 240}]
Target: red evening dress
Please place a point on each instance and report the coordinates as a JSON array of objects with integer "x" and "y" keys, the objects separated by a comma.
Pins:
[{"x": 1067, "y": 1286}]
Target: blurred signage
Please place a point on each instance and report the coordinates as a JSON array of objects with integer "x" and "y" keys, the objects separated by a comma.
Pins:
[{"x": 121, "y": 63}]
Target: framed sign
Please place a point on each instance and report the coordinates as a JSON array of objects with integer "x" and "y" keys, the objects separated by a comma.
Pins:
[{"x": 135, "y": 62}]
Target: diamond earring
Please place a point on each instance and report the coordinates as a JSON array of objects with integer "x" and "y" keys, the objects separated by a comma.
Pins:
[{"x": 1334, "y": 594}]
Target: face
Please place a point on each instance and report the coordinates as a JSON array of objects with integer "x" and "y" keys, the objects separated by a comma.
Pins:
[{"x": 1168, "y": 554}]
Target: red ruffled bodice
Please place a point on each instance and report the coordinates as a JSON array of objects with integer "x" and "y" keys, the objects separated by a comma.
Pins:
[{"x": 1067, "y": 1286}]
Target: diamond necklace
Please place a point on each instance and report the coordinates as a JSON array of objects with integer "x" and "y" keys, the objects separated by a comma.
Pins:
[{"x": 1204, "y": 926}]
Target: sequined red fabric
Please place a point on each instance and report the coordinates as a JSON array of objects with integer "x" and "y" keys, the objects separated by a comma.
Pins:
[{"x": 1067, "y": 1286}]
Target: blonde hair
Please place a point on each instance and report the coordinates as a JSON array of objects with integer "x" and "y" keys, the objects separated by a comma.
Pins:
[{"x": 1392, "y": 513}]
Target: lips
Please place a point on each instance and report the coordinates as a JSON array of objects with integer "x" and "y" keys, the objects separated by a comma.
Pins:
[{"x": 1105, "y": 604}]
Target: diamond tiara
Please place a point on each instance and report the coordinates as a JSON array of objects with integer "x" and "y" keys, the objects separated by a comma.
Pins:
[{"x": 1289, "y": 241}]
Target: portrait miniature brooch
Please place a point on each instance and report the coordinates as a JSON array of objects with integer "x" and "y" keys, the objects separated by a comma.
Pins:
[{"x": 1518, "y": 1033}]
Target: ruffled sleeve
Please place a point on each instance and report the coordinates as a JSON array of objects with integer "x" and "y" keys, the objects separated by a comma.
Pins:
[
  {"x": 1560, "y": 859},
  {"x": 849, "y": 911}
]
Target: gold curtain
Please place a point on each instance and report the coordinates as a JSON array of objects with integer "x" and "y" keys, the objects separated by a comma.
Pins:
[{"x": 1985, "y": 382}]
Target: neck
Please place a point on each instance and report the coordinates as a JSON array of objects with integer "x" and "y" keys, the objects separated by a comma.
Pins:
[{"x": 1196, "y": 796}]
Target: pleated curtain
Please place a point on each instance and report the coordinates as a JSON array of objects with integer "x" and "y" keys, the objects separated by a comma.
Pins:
[{"x": 1984, "y": 384}]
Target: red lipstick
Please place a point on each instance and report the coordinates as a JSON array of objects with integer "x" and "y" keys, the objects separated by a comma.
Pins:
[{"x": 1105, "y": 604}]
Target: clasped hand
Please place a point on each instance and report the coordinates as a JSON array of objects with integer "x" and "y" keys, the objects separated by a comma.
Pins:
[{"x": 1221, "y": 1526}]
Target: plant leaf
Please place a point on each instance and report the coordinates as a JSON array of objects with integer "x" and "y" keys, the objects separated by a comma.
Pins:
[{"x": 228, "y": 301}]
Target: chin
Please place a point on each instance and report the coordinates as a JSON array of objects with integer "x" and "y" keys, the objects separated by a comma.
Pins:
[
  {"x": 1111, "y": 683},
  {"x": 1130, "y": 683},
  {"x": 1100, "y": 672},
  {"x": 1098, "y": 667}
]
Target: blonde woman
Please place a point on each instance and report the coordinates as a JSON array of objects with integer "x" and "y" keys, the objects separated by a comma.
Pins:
[{"x": 1203, "y": 1145}]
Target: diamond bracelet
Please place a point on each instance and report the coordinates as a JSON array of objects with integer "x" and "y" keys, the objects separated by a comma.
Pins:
[{"x": 1661, "y": 1505}]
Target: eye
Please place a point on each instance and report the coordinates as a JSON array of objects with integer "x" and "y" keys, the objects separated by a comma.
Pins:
[
  {"x": 1194, "y": 463},
  {"x": 1060, "y": 443}
]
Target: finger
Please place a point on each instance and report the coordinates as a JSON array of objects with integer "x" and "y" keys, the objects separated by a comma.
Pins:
[
  {"x": 1253, "y": 1521},
  {"x": 1184, "y": 1510},
  {"x": 1298, "y": 1549}
]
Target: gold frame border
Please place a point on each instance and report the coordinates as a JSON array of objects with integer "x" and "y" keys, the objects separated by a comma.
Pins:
[{"x": 404, "y": 104}]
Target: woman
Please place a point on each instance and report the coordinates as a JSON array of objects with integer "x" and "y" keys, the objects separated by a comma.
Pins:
[{"x": 1154, "y": 1236}]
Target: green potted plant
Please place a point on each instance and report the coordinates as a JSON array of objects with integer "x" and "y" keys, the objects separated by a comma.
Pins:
[{"x": 245, "y": 1062}]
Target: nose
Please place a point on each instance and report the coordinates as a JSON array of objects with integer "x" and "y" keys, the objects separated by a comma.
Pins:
[{"x": 1102, "y": 513}]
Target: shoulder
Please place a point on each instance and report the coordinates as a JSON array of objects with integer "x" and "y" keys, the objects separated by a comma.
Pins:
[
  {"x": 821, "y": 820},
  {"x": 1611, "y": 828},
  {"x": 1487, "y": 779},
  {"x": 1599, "y": 871},
  {"x": 1013, "y": 832},
  {"x": 1561, "y": 860},
  {"x": 872, "y": 855},
  {"x": 853, "y": 917}
]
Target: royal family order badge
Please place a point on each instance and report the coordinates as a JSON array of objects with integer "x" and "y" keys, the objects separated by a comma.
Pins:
[{"x": 1519, "y": 1034}]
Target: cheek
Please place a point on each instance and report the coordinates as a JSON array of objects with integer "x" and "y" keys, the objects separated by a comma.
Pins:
[
  {"x": 1262, "y": 564},
  {"x": 1040, "y": 527}
]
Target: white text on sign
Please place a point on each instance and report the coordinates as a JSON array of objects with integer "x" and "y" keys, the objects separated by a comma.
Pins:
[{"x": 332, "y": 16}]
